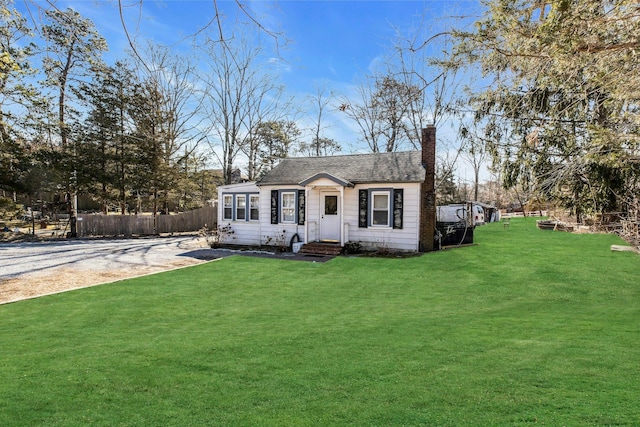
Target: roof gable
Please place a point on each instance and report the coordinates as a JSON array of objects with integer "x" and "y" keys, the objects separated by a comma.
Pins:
[
  {"x": 354, "y": 169},
  {"x": 330, "y": 177}
]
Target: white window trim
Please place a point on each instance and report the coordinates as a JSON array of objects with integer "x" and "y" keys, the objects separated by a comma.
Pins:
[
  {"x": 231, "y": 200},
  {"x": 257, "y": 208},
  {"x": 372, "y": 208},
  {"x": 282, "y": 207},
  {"x": 225, "y": 206},
  {"x": 238, "y": 198}
]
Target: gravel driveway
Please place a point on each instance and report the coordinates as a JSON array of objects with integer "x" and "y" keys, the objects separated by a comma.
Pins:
[{"x": 38, "y": 268}]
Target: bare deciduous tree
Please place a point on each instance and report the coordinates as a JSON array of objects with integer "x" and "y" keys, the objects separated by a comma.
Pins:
[
  {"x": 415, "y": 60},
  {"x": 381, "y": 110},
  {"x": 319, "y": 145},
  {"x": 238, "y": 91},
  {"x": 474, "y": 152},
  {"x": 173, "y": 127}
]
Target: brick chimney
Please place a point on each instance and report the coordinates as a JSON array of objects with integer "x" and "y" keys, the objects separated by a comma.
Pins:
[{"x": 427, "y": 190}]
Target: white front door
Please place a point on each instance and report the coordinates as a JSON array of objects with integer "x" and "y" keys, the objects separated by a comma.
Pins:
[{"x": 330, "y": 221}]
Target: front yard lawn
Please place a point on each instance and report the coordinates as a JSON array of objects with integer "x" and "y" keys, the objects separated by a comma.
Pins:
[{"x": 527, "y": 327}]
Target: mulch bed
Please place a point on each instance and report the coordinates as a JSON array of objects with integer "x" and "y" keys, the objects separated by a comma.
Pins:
[{"x": 258, "y": 252}]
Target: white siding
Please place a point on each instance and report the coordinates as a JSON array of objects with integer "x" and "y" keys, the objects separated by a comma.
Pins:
[
  {"x": 243, "y": 232},
  {"x": 313, "y": 214},
  {"x": 276, "y": 234},
  {"x": 405, "y": 239},
  {"x": 324, "y": 182},
  {"x": 265, "y": 233}
]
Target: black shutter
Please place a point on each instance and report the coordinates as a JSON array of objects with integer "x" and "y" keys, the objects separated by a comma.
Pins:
[
  {"x": 301, "y": 207},
  {"x": 275, "y": 207},
  {"x": 363, "y": 208},
  {"x": 398, "y": 196}
]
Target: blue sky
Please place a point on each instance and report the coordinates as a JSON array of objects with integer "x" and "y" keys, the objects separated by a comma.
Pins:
[
  {"x": 323, "y": 40},
  {"x": 331, "y": 42}
]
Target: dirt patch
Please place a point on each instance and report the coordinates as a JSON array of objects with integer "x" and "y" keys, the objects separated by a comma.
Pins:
[
  {"x": 106, "y": 261},
  {"x": 66, "y": 279},
  {"x": 11, "y": 237}
]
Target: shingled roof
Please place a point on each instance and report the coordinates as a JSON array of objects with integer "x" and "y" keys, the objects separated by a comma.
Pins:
[{"x": 354, "y": 168}]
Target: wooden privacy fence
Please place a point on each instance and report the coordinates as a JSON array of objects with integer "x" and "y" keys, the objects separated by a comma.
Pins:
[{"x": 145, "y": 225}]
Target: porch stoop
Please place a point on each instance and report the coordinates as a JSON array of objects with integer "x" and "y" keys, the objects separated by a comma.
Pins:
[{"x": 321, "y": 248}]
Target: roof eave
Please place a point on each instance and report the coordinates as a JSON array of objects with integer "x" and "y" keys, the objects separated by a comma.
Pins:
[{"x": 325, "y": 175}]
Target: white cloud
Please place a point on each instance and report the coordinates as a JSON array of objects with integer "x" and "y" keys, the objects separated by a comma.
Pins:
[
  {"x": 376, "y": 64},
  {"x": 280, "y": 65}
]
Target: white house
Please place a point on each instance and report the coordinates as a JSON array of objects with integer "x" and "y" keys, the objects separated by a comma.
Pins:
[{"x": 372, "y": 199}]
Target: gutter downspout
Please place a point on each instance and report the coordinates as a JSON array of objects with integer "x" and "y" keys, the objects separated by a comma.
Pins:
[
  {"x": 306, "y": 214},
  {"x": 342, "y": 216}
]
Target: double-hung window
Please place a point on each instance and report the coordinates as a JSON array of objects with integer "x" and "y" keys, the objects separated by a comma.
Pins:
[
  {"x": 241, "y": 207},
  {"x": 254, "y": 205},
  {"x": 227, "y": 210},
  {"x": 288, "y": 207},
  {"x": 380, "y": 208}
]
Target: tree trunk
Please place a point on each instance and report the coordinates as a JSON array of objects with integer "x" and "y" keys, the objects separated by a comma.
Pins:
[{"x": 476, "y": 184}]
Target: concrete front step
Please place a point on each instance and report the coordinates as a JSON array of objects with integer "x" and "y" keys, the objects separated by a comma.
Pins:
[{"x": 321, "y": 248}]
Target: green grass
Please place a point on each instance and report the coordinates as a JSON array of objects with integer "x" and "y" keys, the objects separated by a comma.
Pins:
[{"x": 528, "y": 327}]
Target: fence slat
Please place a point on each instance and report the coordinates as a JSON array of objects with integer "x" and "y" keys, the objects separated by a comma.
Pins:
[{"x": 141, "y": 225}]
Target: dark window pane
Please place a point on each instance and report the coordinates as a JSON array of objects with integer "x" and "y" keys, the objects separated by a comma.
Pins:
[
  {"x": 380, "y": 218},
  {"x": 331, "y": 205}
]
